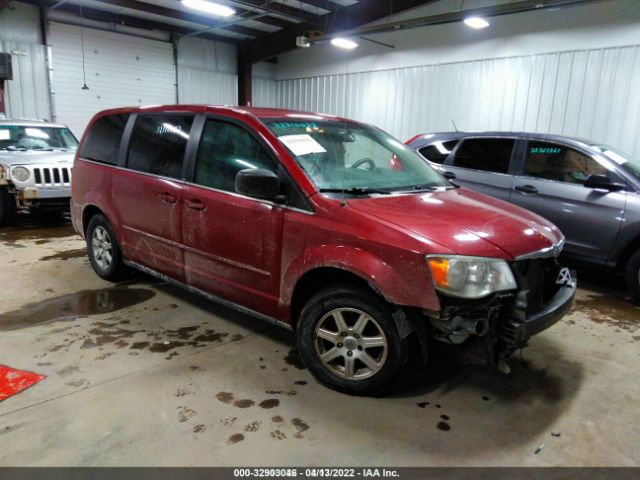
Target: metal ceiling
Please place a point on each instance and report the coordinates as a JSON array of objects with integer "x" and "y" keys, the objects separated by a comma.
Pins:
[{"x": 255, "y": 20}]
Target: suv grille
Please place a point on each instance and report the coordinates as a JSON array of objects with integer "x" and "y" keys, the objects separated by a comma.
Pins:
[{"x": 52, "y": 176}]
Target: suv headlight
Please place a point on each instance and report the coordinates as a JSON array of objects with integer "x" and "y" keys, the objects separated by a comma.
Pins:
[
  {"x": 20, "y": 174},
  {"x": 470, "y": 277}
]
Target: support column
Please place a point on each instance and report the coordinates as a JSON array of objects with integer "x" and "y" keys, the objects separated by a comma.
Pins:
[{"x": 244, "y": 78}]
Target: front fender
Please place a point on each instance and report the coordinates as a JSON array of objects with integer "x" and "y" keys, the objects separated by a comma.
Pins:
[{"x": 402, "y": 280}]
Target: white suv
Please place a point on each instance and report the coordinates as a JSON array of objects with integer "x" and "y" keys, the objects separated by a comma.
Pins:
[{"x": 35, "y": 166}]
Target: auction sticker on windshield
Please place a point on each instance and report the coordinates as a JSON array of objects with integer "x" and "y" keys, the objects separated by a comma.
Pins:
[{"x": 301, "y": 144}]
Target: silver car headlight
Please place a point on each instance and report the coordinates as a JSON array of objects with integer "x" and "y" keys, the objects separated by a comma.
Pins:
[
  {"x": 20, "y": 174},
  {"x": 470, "y": 277}
]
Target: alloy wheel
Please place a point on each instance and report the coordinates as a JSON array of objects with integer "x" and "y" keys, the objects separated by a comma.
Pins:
[
  {"x": 350, "y": 343},
  {"x": 102, "y": 247}
]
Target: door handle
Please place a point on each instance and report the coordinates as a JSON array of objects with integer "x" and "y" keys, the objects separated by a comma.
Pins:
[
  {"x": 166, "y": 197},
  {"x": 195, "y": 205},
  {"x": 449, "y": 175},
  {"x": 527, "y": 189}
]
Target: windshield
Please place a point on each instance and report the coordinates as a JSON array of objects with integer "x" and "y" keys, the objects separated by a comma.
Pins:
[
  {"x": 22, "y": 138},
  {"x": 339, "y": 156},
  {"x": 627, "y": 162}
]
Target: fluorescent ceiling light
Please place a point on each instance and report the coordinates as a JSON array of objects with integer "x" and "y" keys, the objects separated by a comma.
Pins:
[
  {"x": 210, "y": 7},
  {"x": 476, "y": 22},
  {"x": 343, "y": 43}
]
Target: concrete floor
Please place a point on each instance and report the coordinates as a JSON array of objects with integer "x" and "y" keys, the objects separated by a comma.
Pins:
[{"x": 146, "y": 374}]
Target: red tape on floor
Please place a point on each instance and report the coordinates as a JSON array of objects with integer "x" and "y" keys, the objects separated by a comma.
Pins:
[{"x": 14, "y": 381}]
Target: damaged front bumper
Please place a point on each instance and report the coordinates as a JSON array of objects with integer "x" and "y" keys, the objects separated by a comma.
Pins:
[
  {"x": 491, "y": 329},
  {"x": 517, "y": 331}
]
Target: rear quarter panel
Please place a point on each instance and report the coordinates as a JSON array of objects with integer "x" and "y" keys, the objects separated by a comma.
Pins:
[{"x": 92, "y": 187}]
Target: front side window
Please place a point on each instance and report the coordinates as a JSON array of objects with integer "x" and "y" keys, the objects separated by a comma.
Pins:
[
  {"x": 35, "y": 137},
  {"x": 158, "y": 143},
  {"x": 339, "y": 156},
  {"x": 225, "y": 149},
  {"x": 438, "y": 152},
  {"x": 624, "y": 160},
  {"x": 486, "y": 154},
  {"x": 102, "y": 141},
  {"x": 553, "y": 161}
]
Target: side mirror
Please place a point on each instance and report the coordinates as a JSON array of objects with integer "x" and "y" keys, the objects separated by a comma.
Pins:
[
  {"x": 602, "y": 182},
  {"x": 258, "y": 183}
]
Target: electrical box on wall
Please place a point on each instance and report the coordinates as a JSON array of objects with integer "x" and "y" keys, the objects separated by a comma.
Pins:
[{"x": 6, "y": 72}]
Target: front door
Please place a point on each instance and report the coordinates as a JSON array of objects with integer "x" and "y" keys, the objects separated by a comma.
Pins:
[
  {"x": 232, "y": 242},
  {"x": 552, "y": 185},
  {"x": 148, "y": 192}
]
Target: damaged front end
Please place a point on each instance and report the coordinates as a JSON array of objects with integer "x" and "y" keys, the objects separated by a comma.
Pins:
[{"x": 488, "y": 330}]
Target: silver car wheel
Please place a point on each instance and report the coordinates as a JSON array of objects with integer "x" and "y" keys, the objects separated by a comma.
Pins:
[
  {"x": 102, "y": 247},
  {"x": 350, "y": 343}
]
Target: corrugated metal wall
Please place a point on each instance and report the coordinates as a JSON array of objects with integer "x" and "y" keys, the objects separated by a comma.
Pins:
[
  {"x": 588, "y": 93},
  {"x": 26, "y": 95},
  {"x": 207, "y": 72},
  {"x": 203, "y": 86},
  {"x": 120, "y": 70},
  {"x": 265, "y": 92}
]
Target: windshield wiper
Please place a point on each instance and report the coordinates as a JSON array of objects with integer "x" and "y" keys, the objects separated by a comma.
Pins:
[
  {"x": 354, "y": 191},
  {"x": 431, "y": 188}
]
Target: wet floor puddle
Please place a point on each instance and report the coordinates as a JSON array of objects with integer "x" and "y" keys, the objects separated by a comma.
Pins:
[
  {"x": 69, "y": 307},
  {"x": 67, "y": 255},
  {"x": 40, "y": 233},
  {"x": 609, "y": 310}
]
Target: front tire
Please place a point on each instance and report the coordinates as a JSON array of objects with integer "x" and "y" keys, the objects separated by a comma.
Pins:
[
  {"x": 349, "y": 341},
  {"x": 632, "y": 276},
  {"x": 7, "y": 207},
  {"x": 103, "y": 249}
]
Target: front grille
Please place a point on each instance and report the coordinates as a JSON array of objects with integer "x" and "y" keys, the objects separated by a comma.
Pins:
[
  {"x": 52, "y": 176},
  {"x": 537, "y": 277}
]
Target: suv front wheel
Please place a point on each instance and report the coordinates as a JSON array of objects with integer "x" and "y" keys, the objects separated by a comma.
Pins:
[
  {"x": 632, "y": 276},
  {"x": 103, "y": 249},
  {"x": 348, "y": 339}
]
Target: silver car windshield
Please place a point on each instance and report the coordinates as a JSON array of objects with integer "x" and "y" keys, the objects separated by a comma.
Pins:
[
  {"x": 22, "y": 138},
  {"x": 344, "y": 156},
  {"x": 626, "y": 161}
]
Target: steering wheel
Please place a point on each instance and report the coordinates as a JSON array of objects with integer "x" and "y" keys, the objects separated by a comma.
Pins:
[{"x": 365, "y": 161}]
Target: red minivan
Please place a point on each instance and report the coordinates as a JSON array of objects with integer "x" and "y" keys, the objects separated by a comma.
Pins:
[{"x": 325, "y": 225}]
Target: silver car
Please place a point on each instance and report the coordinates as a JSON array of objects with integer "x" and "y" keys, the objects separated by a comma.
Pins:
[
  {"x": 589, "y": 190},
  {"x": 35, "y": 166}
]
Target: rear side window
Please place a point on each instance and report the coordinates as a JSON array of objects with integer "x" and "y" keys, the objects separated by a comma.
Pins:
[
  {"x": 158, "y": 143},
  {"x": 487, "y": 154},
  {"x": 552, "y": 161},
  {"x": 225, "y": 149},
  {"x": 102, "y": 141},
  {"x": 438, "y": 152}
]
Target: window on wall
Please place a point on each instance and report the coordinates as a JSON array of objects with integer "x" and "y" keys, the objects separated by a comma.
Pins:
[
  {"x": 438, "y": 152},
  {"x": 158, "y": 143},
  {"x": 102, "y": 141},
  {"x": 225, "y": 149},
  {"x": 552, "y": 161},
  {"x": 487, "y": 154}
]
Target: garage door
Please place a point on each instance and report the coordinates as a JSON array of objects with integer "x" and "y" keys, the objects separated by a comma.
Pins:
[{"x": 120, "y": 70}]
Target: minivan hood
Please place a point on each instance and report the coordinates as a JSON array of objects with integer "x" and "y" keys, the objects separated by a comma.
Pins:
[
  {"x": 465, "y": 222},
  {"x": 33, "y": 157}
]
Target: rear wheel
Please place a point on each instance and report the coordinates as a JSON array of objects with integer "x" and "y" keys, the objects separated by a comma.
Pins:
[
  {"x": 632, "y": 276},
  {"x": 103, "y": 249},
  {"x": 7, "y": 207},
  {"x": 348, "y": 339}
]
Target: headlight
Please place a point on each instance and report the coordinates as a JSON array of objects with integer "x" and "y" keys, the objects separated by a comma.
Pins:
[
  {"x": 470, "y": 277},
  {"x": 20, "y": 174}
]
